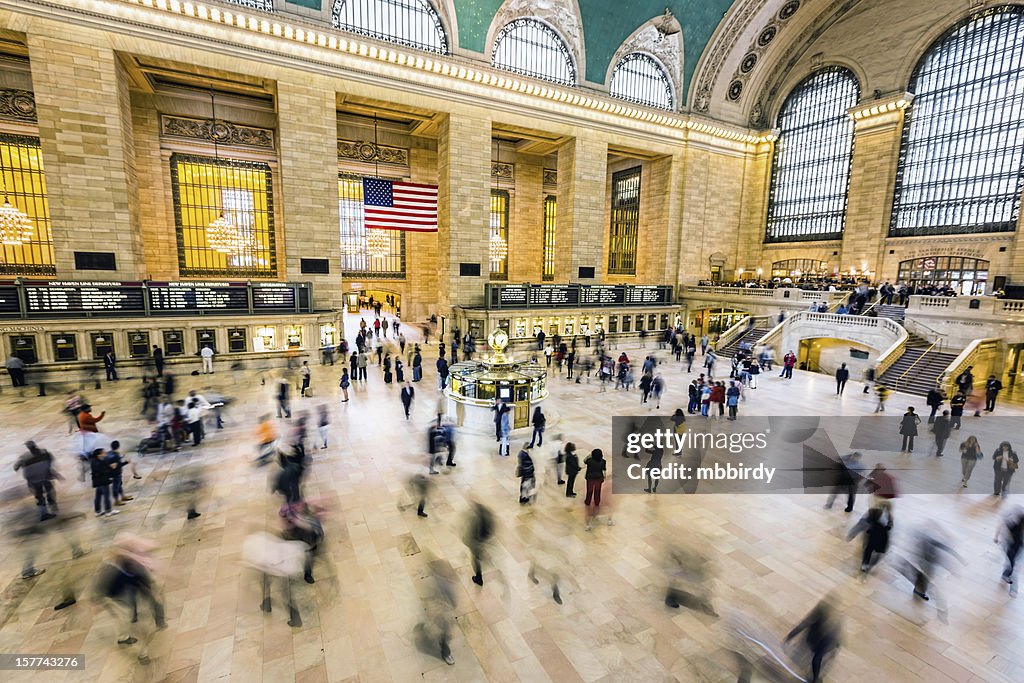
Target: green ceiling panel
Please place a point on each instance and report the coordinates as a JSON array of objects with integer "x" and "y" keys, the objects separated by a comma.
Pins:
[
  {"x": 310, "y": 4},
  {"x": 606, "y": 23}
]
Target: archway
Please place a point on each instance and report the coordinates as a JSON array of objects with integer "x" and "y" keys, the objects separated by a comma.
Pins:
[{"x": 963, "y": 274}]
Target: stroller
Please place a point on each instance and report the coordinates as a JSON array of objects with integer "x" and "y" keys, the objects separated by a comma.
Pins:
[{"x": 152, "y": 443}]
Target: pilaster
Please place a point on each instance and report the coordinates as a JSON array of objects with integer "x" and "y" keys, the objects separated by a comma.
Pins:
[{"x": 582, "y": 199}]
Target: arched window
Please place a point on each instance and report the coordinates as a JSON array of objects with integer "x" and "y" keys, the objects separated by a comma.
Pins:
[
  {"x": 638, "y": 77},
  {"x": 962, "y": 155},
  {"x": 811, "y": 168},
  {"x": 530, "y": 47},
  {"x": 414, "y": 23}
]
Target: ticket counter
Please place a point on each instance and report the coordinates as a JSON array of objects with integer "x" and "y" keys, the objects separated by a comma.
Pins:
[
  {"x": 101, "y": 344},
  {"x": 24, "y": 347},
  {"x": 138, "y": 344}
]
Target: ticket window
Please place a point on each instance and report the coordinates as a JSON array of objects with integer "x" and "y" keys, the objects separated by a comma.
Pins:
[
  {"x": 24, "y": 347},
  {"x": 476, "y": 329},
  {"x": 598, "y": 324},
  {"x": 538, "y": 327},
  {"x": 585, "y": 325},
  {"x": 664, "y": 321},
  {"x": 138, "y": 344},
  {"x": 328, "y": 335},
  {"x": 569, "y": 326},
  {"x": 293, "y": 336},
  {"x": 206, "y": 338},
  {"x": 174, "y": 343},
  {"x": 503, "y": 324},
  {"x": 65, "y": 347},
  {"x": 652, "y": 322},
  {"x": 552, "y": 327},
  {"x": 102, "y": 344},
  {"x": 237, "y": 340},
  {"x": 266, "y": 339},
  {"x": 639, "y": 323},
  {"x": 627, "y": 323},
  {"x": 520, "y": 328},
  {"x": 613, "y": 324}
]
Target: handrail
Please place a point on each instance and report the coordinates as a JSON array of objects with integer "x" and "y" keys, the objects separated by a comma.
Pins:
[
  {"x": 940, "y": 340},
  {"x": 896, "y": 384},
  {"x": 736, "y": 330},
  {"x": 960, "y": 363}
]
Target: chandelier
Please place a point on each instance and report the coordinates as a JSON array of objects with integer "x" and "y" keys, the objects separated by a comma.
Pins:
[
  {"x": 222, "y": 236},
  {"x": 378, "y": 243},
  {"x": 498, "y": 247},
  {"x": 15, "y": 226}
]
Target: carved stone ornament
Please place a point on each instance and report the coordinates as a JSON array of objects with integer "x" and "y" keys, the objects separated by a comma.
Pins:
[
  {"x": 666, "y": 49},
  {"x": 737, "y": 23},
  {"x": 19, "y": 105},
  {"x": 550, "y": 177},
  {"x": 560, "y": 14},
  {"x": 765, "y": 37},
  {"x": 502, "y": 171},
  {"x": 219, "y": 131},
  {"x": 372, "y": 152}
]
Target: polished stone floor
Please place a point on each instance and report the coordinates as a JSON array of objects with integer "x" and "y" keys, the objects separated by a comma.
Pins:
[{"x": 771, "y": 557}]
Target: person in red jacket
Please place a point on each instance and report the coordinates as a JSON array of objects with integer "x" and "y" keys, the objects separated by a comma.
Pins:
[
  {"x": 86, "y": 420},
  {"x": 718, "y": 397},
  {"x": 788, "y": 362}
]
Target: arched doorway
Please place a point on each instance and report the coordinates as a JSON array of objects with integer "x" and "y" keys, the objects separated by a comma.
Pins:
[{"x": 965, "y": 275}]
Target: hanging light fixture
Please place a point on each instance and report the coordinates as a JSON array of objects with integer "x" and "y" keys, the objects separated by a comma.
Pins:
[
  {"x": 15, "y": 225},
  {"x": 497, "y": 245},
  {"x": 378, "y": 242},
  {"x": 221, "y": 235}
]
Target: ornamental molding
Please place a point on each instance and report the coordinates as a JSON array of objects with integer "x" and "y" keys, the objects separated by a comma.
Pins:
[
  {"x": 503, "y": 171},
  {"x": 758, "y": 46},
  {"x": 18, "y": 105},
  {"x": 550, "y": 178},
  {"x": 667, "y": 50},
  {"x": 217, "y": 131},
  {"x": 562, "y": 15},
  {"x": 371, "y": 152},
  {"x": 785, "y": 66},
  {"x": 723, "y": 45}
]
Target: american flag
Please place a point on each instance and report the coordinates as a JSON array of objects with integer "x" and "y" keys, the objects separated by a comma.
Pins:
[{"x": 399, "y": 206}]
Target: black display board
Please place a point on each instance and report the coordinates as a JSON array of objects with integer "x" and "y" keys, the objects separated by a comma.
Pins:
[
  {"x": 274, "y": 296},
  {"x": 576, "y": 296},
  {"x": 84, "y": 297},
  {"x": 198, "y": 297},
  {"x": 9, "y": 300}
]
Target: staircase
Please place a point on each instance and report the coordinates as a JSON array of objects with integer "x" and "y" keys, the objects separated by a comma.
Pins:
[
  {"x": 925, "y": 373},
  {"x": 749, "y": 337},
  {"x": 895, "y": 313}
]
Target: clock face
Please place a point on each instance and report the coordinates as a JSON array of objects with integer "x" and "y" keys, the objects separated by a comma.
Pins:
[{"x": 498, "y": 340}]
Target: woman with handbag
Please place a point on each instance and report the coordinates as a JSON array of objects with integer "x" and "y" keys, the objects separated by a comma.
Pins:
[
  {"x": 970, "y": 454},
  {"x": 1004, "y": 464}
]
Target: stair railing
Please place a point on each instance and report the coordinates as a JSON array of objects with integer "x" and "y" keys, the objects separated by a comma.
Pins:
[
  {"x": 896, "y": 384},
  {"x": 966, "y": 358},
  {"x": 894, "y": 352},
  {"x": 933, "y": 333},
  {"x": 737, "y": 330}
]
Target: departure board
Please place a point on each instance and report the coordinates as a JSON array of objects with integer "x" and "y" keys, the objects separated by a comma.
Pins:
[
  {"x": 198, "y": 297},
  {"x": 273, "y": 296},
  {"x": 84, "y": 297},
  {"x": 9, "y": 300},
  {"x": 576, "y": 296}
]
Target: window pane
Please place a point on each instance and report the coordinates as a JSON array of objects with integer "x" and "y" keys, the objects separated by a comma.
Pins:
[
  {"x": 499, "y": 233},
  {"x": 413, "y": 23},
  {"x": 21, "y": 163},
  {"x": 625, "y": 222},
  {"x": 532, "y": 48},
  {"x": 961, "y": 156},
  {"x": 378, "y": 254},
  {"x": 640, "y": 78},
  {"x": 550, "y": 208},
  {"x": 204, "y": 188},
  {"x": 811, "y": 167}
]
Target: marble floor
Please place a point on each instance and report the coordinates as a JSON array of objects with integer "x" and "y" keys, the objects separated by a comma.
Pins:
[{"x": 770, "y": 557}]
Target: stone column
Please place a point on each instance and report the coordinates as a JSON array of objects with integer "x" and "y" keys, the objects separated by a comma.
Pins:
[
  {"x": 308, "y": 130},
  {"x": 582, "y": 200},
  {"x": 876, "y": 152},
  {"x": 660, "y": 218},
  {"x": 421, "y": 270},
  {"x": 85, "y": 129},
  {"x": 463, "y": 207},
  {"x": 526, "y": 232}
]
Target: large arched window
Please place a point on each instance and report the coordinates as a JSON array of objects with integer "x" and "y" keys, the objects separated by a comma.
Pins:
[
  {"x": 414, "y": 23},
  {"x": 811, "y": 168},
  {"x": 639, "y": 77},
  {"x": 530, "y": 47},
  {"x": 962, "y": 155}
]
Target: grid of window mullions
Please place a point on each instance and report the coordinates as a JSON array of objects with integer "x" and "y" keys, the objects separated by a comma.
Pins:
[
  {"x": 640, "y": 78},
  {"x": 625, "y": 222},
  {"x": 259, "y": 257},
  {"x": 21, "y": 164},
  {"x": 550, "y": 210},
  {"x": 811, "y": 167},
  {"x": 413, "y": 23},
  {"x": 961, "y": 165},
  {"x": 262, "y": 5},
  {"x": 532, "y": 48},
  {"x": 356, "y": 260},
  {"x": 499, "y": 229}
]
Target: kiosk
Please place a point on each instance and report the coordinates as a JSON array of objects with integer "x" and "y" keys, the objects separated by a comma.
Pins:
[{"x": 474, "y": 386}]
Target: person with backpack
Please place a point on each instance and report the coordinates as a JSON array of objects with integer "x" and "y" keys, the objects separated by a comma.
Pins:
[
  {"x": 539, "y": 420},
  {"x": 527, "y": 477},
  {"x": 37, "y": 468},
  {"x": 344, "y": 383}
]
